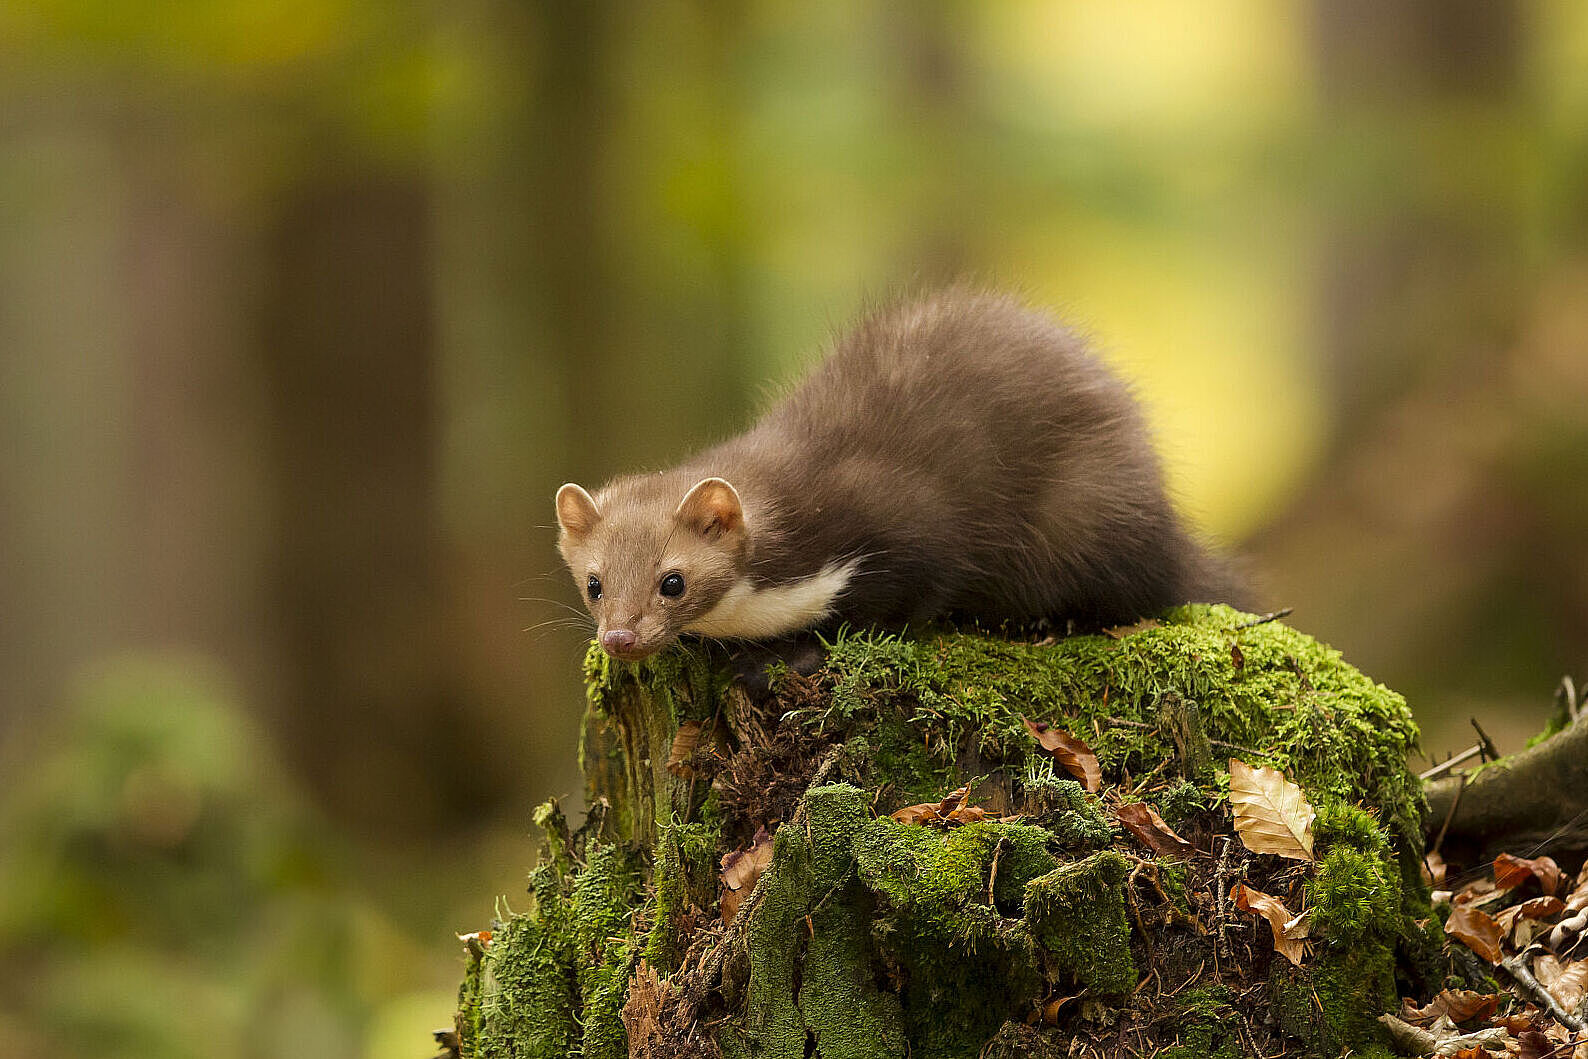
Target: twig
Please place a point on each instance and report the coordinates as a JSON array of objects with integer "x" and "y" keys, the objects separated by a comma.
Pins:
[
  {"x": 1266, "y": 618},
  {"x": 1135, "y": 912},
  {"x": 1451, "y": 762},
  {"x": 1490, "y": 751},
  {"x": 1517, "y": 967},
  {"x": 992, "y": 877},
  {"x": 1220, "y": 942},
  {"x": 1449, "y": 816},
  {"x": 1121, "y": 722}
]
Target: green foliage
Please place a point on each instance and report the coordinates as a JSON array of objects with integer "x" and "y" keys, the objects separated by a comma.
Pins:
[
  {"x": 940, "y": 879},
  {"x": 1333, "y": 1005},
  {"x": 815, "y": 980},
  {"x": 1177, "y": 802},
  {"x": 683, "y": 874},
  {"x": 166, "y": 893}
]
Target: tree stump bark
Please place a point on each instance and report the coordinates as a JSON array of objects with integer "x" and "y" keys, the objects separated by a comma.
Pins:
[{"x": 1017, "y": 918}]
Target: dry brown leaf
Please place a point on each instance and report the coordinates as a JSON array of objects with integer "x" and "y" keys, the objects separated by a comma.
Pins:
[
  {"x": 1476, "y": 929},
  {"x": 1547, "y": 969},
  {"x": 1541, "y": 908},
  {"x": 1290, "y": 931},
  {"x": 741, "y": 869},
  {"x": 1477, "y": 892},
  {"x": 1565, "y": 936},
  {"x": 1511, "y": 872},
  {"x": 1076, "y": 757},
  {"x": 950, "y": 810},
  {"x": 1516, "y": 1023},
  {"x": 1458, "y": 1005},
  {"x": 1271, "y": 813},
  {"x": 1119, "y": 632},
  {"x": 683, "y": 748},
  {"x": 924, "y": 813},
  {"x": 1507, "y": 918},
  {"x": 1531, "y": 1044},
  {"x": 1140, "y": 820},
  {"x": 954, "y": 799},
  {"x": 1050, "y": 1010},
  {"x": 1577, "y": 900},
  {"x": 1570, "y": 984}
]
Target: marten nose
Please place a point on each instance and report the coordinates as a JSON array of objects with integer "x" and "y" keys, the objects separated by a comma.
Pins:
[{"x": 618, "y": 641}]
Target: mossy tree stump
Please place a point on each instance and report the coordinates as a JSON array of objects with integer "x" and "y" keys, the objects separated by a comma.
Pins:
[{"x": 1035, "y": 931}]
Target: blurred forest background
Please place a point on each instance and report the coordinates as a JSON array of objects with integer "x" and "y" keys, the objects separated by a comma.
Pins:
[{"x": 306, "y": 308}]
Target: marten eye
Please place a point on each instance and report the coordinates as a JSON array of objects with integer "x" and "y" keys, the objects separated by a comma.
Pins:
[
  {"x": 592, "y": 587},
  {"x": 673, "y": 585}
]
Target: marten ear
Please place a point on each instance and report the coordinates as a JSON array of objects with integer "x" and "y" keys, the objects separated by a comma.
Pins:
[
  {"x": 577, "y": 513},
  {"x": 711, "y": 508}
]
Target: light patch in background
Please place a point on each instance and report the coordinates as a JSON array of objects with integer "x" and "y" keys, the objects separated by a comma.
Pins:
[
  {"x": 1159, "y": 64},
  {"x": 1210, "y": 339}
]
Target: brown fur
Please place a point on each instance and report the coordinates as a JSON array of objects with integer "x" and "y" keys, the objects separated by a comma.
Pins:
[{"x": 970, "y": 454}]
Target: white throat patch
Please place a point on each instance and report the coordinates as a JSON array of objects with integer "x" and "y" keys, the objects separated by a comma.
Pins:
[{"x": 750, "y": 613}]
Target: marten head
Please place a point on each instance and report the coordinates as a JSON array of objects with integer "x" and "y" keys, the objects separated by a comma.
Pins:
[{"x": 647, "y": 562}]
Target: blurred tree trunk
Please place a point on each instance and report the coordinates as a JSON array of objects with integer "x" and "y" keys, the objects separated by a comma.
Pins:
[
  {"x": 1424, "y": 280},
  {"x": 933, "y": 99},
  {"x": 348, "y": 347},
  {"x": 1408, "y": 544},
  {"x": 571, "y": 112}
]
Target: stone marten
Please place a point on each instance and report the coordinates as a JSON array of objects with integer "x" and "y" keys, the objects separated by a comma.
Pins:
[{"x": 956, "y": 455}]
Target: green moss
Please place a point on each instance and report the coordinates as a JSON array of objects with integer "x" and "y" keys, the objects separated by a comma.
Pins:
[
  {"x": 605, "y": 894},
  {"x": 1015, "y": 1040},
  {"x": 1332, "y": 1006},
  {"x": 810, "y": 950},
  {"x": 527, "y": 991},
  {"x": 687, "y": 680},
  {"x": 1206, "y": 1025},
  {"x": 1360, "y": 918},
  {"x": 967, "y": 964},
  {"x": 1356, "y": 897},
  {"x": 940, "y": 879},
  {"x": 1074, "y": 818},
  {"x": 847, "y": 1015},
  {"x": 1295, "y": 701},
  {"x": 634, "y": 712},
  {"x": 469, "y": 1017},
  {"x": 552, "y": 981},
  {"x": 773, "y": 1027},
  {"x": 1077, "y": 913},
  {"x": 1178, "y": 802},
  {"x": 684, "y": 874},
  {"x": 1172, "y": 877}
]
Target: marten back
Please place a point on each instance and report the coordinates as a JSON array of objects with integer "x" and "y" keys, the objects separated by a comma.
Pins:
[{"x": 979, "y": 460}]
